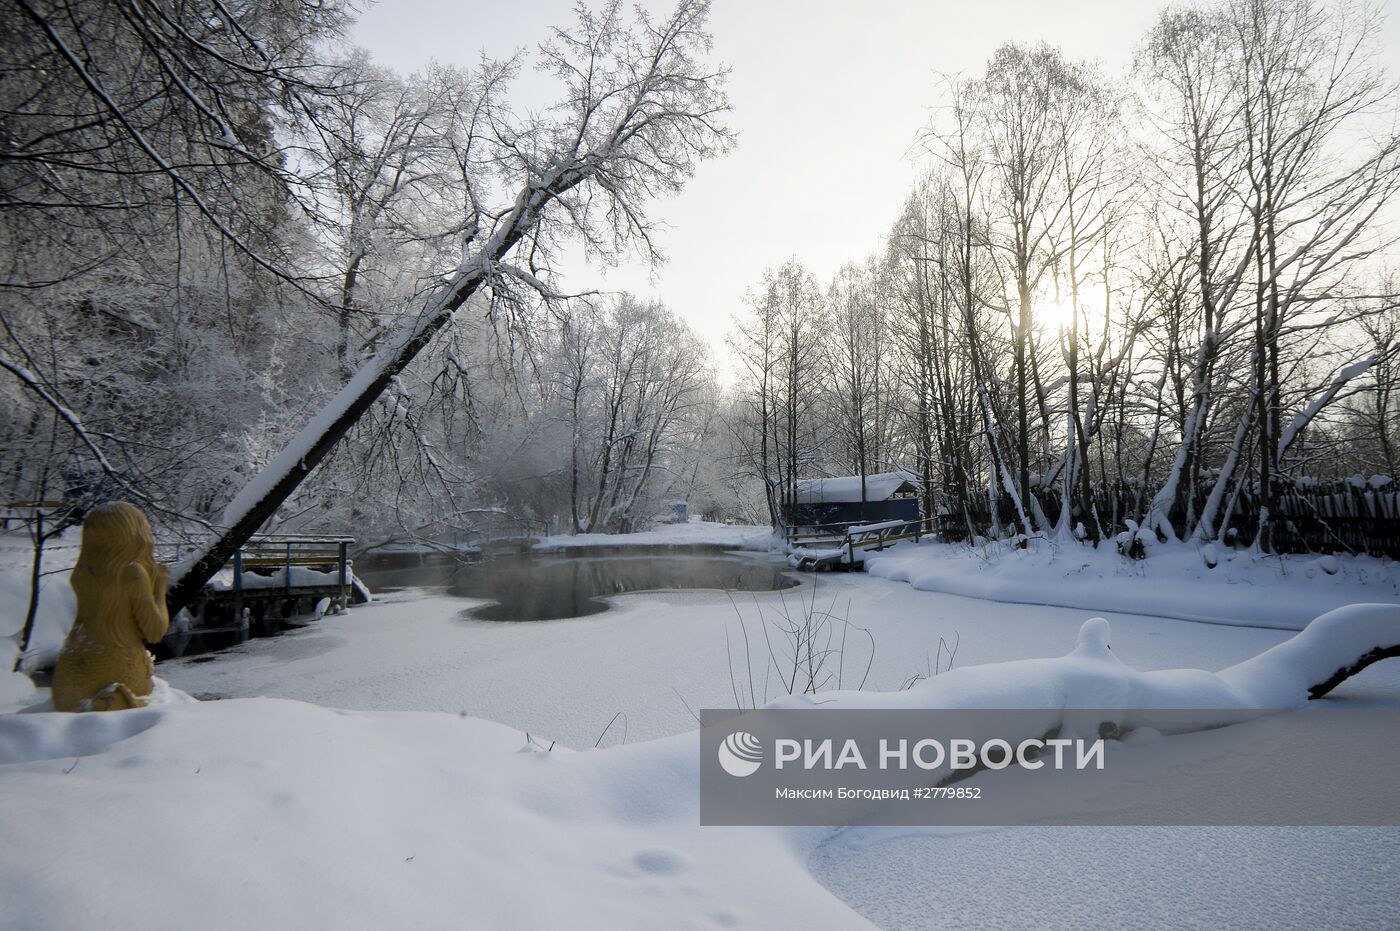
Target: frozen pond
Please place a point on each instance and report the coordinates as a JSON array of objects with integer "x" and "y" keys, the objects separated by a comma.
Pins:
[{"x": 554, "y": 586}]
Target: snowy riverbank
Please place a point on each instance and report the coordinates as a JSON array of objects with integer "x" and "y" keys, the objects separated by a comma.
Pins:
[
  {"x": 1240, "y": 588},
  {"x": 690, "y": 533}
]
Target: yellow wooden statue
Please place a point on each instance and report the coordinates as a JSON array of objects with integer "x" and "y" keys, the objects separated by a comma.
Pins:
[{"x": 104, "y": 665}]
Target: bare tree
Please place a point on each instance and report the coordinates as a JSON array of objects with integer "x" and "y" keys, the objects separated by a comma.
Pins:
[
  {"x": 1016, "y": 105},
  {"x": 754, "y": 341},
  {"x": 856, "y": 367}
]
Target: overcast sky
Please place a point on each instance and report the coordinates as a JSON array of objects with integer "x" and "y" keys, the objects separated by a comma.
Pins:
[{"x": 829, "y": 97}]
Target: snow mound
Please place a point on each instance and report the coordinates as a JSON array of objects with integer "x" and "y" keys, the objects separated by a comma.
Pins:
[
  {"x": 1339, "y": 642},
  {"x": 25, "y": 738},
  {"x": 16, "y": 691},
  {"x": 1091, "y": 676}
]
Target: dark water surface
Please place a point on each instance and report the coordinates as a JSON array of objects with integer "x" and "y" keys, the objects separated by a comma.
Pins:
[{"x": 553, "y": 586}]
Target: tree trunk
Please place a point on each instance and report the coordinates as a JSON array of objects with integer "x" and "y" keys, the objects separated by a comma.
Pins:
[
  {"x": 35, "y": 577},
  {"x": 259, "y": 499}
]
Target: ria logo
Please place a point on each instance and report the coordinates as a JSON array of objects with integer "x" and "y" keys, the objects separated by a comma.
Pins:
[{"x": 740, "y": 754}]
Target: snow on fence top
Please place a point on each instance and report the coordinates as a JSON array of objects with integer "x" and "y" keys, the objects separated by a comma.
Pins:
[{"x": 846, "y": 489}]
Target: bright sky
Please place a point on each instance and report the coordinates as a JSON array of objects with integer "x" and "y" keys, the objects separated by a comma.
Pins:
[{"x": 829, "y": 97}]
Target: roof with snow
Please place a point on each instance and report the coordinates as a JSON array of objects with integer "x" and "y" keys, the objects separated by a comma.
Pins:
[{"x": 846, "y": 489}]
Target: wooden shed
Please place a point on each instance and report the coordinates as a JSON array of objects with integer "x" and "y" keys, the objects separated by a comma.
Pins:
[{"x": 833, "y": 502}]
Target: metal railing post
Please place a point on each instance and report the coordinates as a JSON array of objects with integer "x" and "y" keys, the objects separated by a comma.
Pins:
[
  {"x": 238, "y": 587},
  {"x": 344, "y": 573}
]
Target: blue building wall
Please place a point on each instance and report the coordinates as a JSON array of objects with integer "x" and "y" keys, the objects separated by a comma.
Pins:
[{"x": 813, "y": 515}]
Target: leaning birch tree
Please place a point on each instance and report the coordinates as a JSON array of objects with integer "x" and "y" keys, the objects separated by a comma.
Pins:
[{"x": 640, "y": 106}]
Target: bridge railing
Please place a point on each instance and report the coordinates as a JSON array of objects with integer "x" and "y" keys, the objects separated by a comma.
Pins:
[
  {"x": 853, "y": 536},
  {"x": 287, "y": 552},
  {"x": 879, "y": 535},
  {"x": 832, "y": 533},
  {"x": 14, "y": 514}
]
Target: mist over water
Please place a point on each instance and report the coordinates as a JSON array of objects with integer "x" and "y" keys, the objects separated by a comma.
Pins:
[{"x": 552, "y": 587}]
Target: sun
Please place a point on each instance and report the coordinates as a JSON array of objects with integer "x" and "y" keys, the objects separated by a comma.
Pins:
[{"x": 1054, "y": 315}]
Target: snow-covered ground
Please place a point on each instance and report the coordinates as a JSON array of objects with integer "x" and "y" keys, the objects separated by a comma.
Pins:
[
  {"x": 689, "y": 533},
  {"x": 276, "y": 812},
  {"x": 261, "y": 813}
]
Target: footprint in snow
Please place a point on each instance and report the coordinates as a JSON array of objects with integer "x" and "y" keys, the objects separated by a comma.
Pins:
[{"x": 659, "y": 861}]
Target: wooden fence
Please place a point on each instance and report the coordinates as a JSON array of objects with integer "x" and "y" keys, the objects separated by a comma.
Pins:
[{"x": 1333, "y": 517}]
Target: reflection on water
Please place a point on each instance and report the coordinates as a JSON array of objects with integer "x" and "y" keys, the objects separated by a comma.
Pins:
[
  {"x": 542, "y": 588},
  {"x": 535, "y": 589}
]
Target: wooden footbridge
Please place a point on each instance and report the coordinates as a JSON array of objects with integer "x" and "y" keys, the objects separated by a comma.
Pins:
[
  {"x": 274, "y": 580},
  {"x": 842, "y": 547}
]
